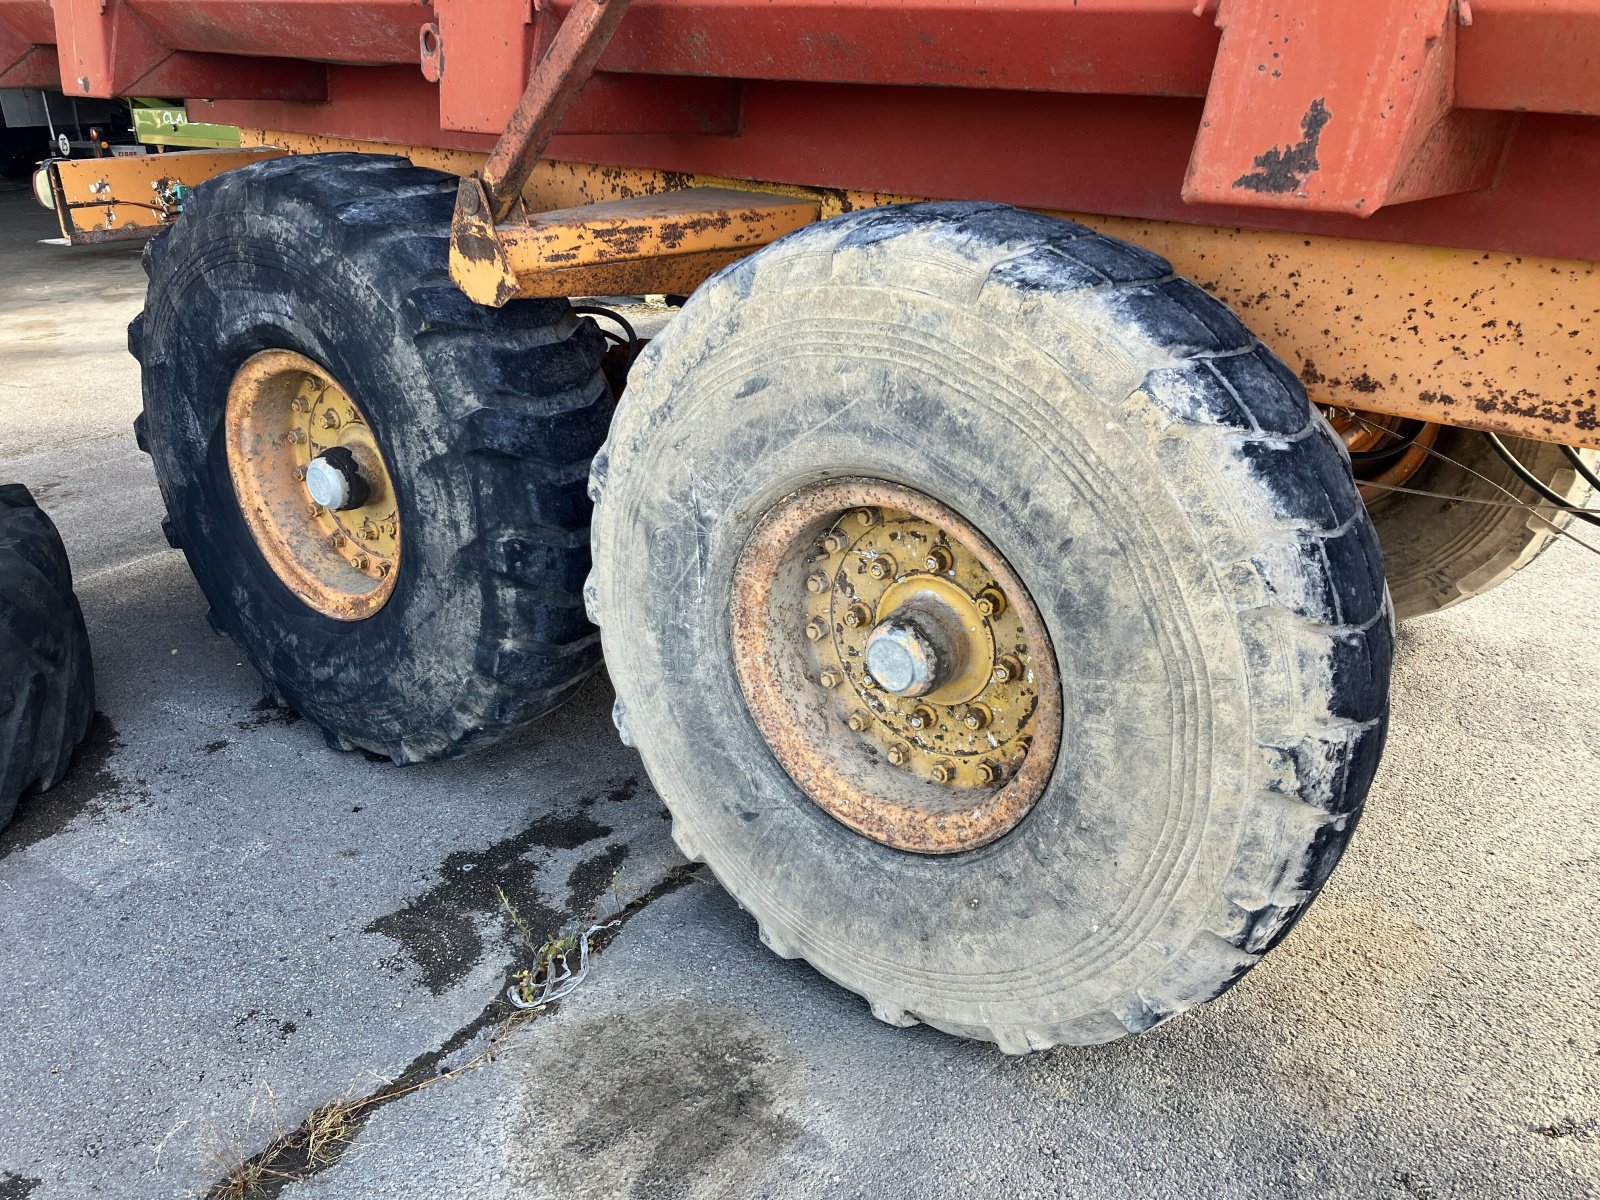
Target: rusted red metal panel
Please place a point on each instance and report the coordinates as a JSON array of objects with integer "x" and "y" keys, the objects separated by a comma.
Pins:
[
  {"x": 27, "y": 44},
  {"x": 1530, "y": 56},
  {"x": 343, "y": 31},
  {"x": 1339, "y": 108},
  {"x": 107, "y": 49}
]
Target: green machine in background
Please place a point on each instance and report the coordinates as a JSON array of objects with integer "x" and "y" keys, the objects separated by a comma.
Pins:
[{"x": 162, "y": 123}]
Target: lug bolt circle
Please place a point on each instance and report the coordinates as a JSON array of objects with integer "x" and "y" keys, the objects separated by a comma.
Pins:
[
  {"x": 816, "y": 629},
  {"x": 817, "y": 582}
]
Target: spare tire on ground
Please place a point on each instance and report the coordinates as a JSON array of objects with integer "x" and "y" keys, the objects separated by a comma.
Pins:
[{"x": 46, "y": 679}]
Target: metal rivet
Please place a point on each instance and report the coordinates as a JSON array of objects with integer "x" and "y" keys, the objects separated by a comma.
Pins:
[
  {"x": 816, "y": 629},
  {"x": 817, "y": 581}
]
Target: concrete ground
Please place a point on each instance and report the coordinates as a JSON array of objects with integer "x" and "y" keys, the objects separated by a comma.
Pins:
[{"x": 217, "y": 925}]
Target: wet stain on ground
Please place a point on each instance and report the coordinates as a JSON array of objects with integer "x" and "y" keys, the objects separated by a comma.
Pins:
[
  {"x": 678, "y": 1101},
  {"x": 441, "y": 929},
  {"x": 266, "y": 712},
  {"x": 16, "y": 1187},
  {"x": 90, "y": 788}
]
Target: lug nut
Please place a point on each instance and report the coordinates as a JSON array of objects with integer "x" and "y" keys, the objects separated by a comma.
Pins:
[
  {"x": 899, "y": 754},
  {"x": 939, "y": 560},
  {"x": 976, "y": 717},
  {"x": 988, "y": 772},
  {"x": 834, "y": 542},
  {"x": 330, "y": 419},
  {"x": 296, "y": 436},
  {"x": 944, "y": 771},
  {"x": 300, "y": 474},
  {"x": 817, "y": 582},
  {"x": 991, "y": 601},
  {"x": 1007, "y": 670},
  {"x": 313, "y": 510},
  {"x": 829, "y": 678},
  {"x": 384, "y": 567},
  {"x": 358, "y": 561},
  {"x": 881, "y": 567},
  {"x": 857, "y": 615},
  {"x": 860, "y": 722},
  {"x": 816, "y": 629},
  {"x": 868, "y": 516},
  {"x": 922, "y": 717}
]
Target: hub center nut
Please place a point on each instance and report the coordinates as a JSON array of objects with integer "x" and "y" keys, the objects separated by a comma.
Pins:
[
  {"x": 908, "y": 654},
  {"x": 334, "y": 481}
]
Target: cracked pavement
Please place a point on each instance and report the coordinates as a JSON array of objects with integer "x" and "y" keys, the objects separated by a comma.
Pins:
[{"x": 217, "y": 924}]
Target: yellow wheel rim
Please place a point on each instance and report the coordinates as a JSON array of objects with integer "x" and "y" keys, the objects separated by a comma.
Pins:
[
  {"x": 946, "y": 739},
  {"x": 286, "y": 419}
]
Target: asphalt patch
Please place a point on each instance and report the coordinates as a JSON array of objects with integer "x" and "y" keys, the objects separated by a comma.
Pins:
[{"x": 679, "y": 1100}]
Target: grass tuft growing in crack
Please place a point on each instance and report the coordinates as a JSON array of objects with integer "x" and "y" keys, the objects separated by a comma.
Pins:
[{"x": 323, "y": 1138}]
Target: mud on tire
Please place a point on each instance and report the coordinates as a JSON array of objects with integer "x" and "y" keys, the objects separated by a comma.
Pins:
[
  {"x": 487, "y": 419},
  {"x": 1184, "y": 521},
  {"x": 46, "y": 678}
]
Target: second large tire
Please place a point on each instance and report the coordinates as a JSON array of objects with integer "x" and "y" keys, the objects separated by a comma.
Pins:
[
  {"x": 486, "y": 418},
  {"x": 46, "y": 678},
  {"x": 1476, "y": 532},
  {"x": 1184, "y": 523}
]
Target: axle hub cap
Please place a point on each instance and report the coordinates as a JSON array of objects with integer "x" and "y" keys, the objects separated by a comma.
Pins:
[
  {"x": 312, "y": 485},
  {"x": 896, "y": 665}
]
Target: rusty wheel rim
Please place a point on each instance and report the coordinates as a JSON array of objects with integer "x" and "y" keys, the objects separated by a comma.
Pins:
[
  {"x": 286, "y": 419},
  {"x": 1397, "y": 459},
  {"x": 947, "y": 740}
]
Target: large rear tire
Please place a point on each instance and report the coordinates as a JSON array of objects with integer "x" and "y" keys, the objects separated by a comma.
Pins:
[
  {"x": 444, "y": 609},
  {"x": 1438, "y": 551},
  {"x": 46, "y": 678},
  {"x": 1126, "y": 463}
]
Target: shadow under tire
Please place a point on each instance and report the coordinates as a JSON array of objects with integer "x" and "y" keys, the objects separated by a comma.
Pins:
[
  {"x": 46, "y": 676},
  {"x": 485, "y": 419},
  {"x": 1184, "y": 522},
  {"x": 1438, "y": 552}
]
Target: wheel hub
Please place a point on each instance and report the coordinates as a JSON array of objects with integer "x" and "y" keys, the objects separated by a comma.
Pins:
[
  {"x": 312, "y": 485},
  {"x": 896, "y": 665}
]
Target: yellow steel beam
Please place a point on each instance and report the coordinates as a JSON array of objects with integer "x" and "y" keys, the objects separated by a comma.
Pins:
[
  {"x": 121, "y": 198},
  {"x": 1483, "y": 340},
  {"x": 669, "y": 242}
]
